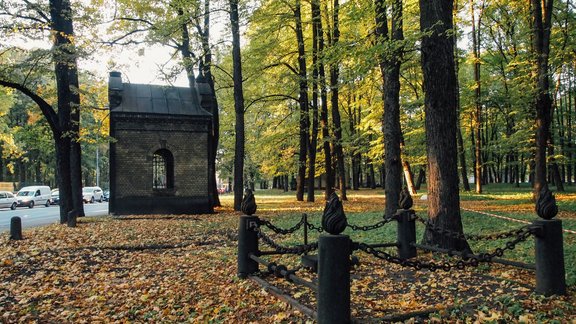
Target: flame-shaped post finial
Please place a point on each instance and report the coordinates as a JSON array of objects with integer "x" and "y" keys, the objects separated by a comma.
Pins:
[
  {"x": 248, "y": 205},
  {"x": 333, "y": 219},
  {"x": 546, "y": 204},
  {"x": 405, "y": 200}
]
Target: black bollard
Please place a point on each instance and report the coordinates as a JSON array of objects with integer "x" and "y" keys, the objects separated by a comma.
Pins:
[
  {"x": 406, "y": 233},
  {"x": 72, "y": 218},
  {"x": 247, "y": 244},
  {"x": 15, "y": 228},
  {"x": 550, "y": 271},
  {"x": 333, "y": 294}
]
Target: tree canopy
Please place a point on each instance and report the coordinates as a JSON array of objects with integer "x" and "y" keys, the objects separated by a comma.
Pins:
[{"x": 315, "y": 76}]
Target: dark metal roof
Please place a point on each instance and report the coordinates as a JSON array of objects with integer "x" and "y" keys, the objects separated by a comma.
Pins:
[{"x": 156, "y": 99}]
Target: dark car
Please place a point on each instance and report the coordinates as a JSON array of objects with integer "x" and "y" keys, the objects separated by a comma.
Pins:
[{"x": 106, "y": 195}]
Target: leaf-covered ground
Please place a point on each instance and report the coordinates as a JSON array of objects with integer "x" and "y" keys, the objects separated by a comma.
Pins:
[{"x": 182, "y": 268}]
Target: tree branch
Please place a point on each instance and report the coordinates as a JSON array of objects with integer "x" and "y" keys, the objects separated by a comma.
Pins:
[
  {"x": 264, "y": 98},
  {"x": 36, "y": 8},
  {"x": 117, "y": 40},
  {"x": 44, "y": 106},
  {"x": 144, "y": 21}
]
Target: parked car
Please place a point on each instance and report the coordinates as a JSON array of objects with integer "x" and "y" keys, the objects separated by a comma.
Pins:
[
  {"x": 34, "y": 195},
  {"x": 92, "y": 194},
  {"x": 55, "y": 197},
  {"x": 106, "y": 195},
  {"x": 7, "y": 199}
]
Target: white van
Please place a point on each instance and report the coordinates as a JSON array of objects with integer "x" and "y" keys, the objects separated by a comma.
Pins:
[{"x": 34, "y": 195}]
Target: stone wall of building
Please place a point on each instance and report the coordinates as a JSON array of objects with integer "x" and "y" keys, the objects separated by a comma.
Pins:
[{"x": 137, "y": 138}]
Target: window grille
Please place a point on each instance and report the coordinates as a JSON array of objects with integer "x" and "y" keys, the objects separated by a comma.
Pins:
[{"x": 163, "y": 170}]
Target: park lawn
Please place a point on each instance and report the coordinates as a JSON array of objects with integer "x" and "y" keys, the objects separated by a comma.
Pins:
[{"x": 182, "y": 268}]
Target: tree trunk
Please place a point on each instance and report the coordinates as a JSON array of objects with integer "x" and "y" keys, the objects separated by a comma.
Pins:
[
  {"x": 68, "y": 106},
  {"x": 541, "y": 19},
  {"x": 356, "y": 170},
  {"x": 336, "y": 121},
  {"x": 477, "y": 102},
  {"x": 206, "y": 68},
  {"x": 324, "y": 106},
  {"x": 461, "y": 151},
  {"x": 570, "y": 145},
  {"x": 303, "y": 102},
  {"x": 64, "y": 182},
  {"x": 238, "y": 107},
  {"x": 390, "y": 69},
  {"x": 440, "y": 109},
  {"x": 315, "y": 8},
  {"x": 421, "y": 178},
  {"x": 409, "y": 177},
  {"x": 371, "y": 174},
  {"x": 206, "y": 76}
]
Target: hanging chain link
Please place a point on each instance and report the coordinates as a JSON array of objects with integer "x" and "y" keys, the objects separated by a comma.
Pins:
[
  {"x": 299, "y": 249},
  {"x": 371, "y": 227},
  {"x": 522, "y": 235},
  {"x": 468, "y": 260},
  {"x": 497, "y": 236},
  {"x": 472, "y": 237},
  {"x": 416, "y": 264},
  {"x": 279, "y": 230},
  {"x": 315, "y": 228}
]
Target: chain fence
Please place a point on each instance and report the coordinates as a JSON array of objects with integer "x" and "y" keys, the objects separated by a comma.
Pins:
[
  {"x": 450, "y": 259},
  {"x": 319, "y": 229},
  {"x": 468, "y": 259}
]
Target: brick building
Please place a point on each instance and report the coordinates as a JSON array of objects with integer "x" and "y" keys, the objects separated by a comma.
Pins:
[{"x": 159, "y": 150}]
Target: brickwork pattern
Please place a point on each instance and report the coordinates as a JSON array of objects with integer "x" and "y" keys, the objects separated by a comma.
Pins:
[{"x": 134, "y": 151}]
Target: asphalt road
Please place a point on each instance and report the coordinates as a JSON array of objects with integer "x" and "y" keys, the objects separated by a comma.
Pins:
[{"x": 40, "y": 215}]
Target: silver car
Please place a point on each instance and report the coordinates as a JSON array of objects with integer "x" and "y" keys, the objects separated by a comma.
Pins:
[
  {"x": 92, "y": 194},
  {"x": 7, "y": 199}
]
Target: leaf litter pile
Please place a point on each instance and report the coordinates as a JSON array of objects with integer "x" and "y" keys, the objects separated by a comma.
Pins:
[{"x": 182, "y": 268}]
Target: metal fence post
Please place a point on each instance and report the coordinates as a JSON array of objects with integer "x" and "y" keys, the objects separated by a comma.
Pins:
[
  {"x": 15, "y": 228},
  {"x": 406, "y": 234},
  {"x": 334, "y": 279},
  {"x": 247, "y": 244},
  {"x": 549, "y": 249}
]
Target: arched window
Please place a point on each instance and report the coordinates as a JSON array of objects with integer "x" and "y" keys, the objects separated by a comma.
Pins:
[{"x": 163, "y": 170}]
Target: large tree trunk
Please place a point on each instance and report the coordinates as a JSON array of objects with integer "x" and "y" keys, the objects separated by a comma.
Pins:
[
  {"x": 542, "y": 22},
  {"x": 303, "y": 102},
  {"x": 440, "y": 109},
  {"x": 64, "y": 182},
  {"x": 238, "y": 106},
  {"x": 68, "y": 107},
  {"x": 390, "y": 68}
]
